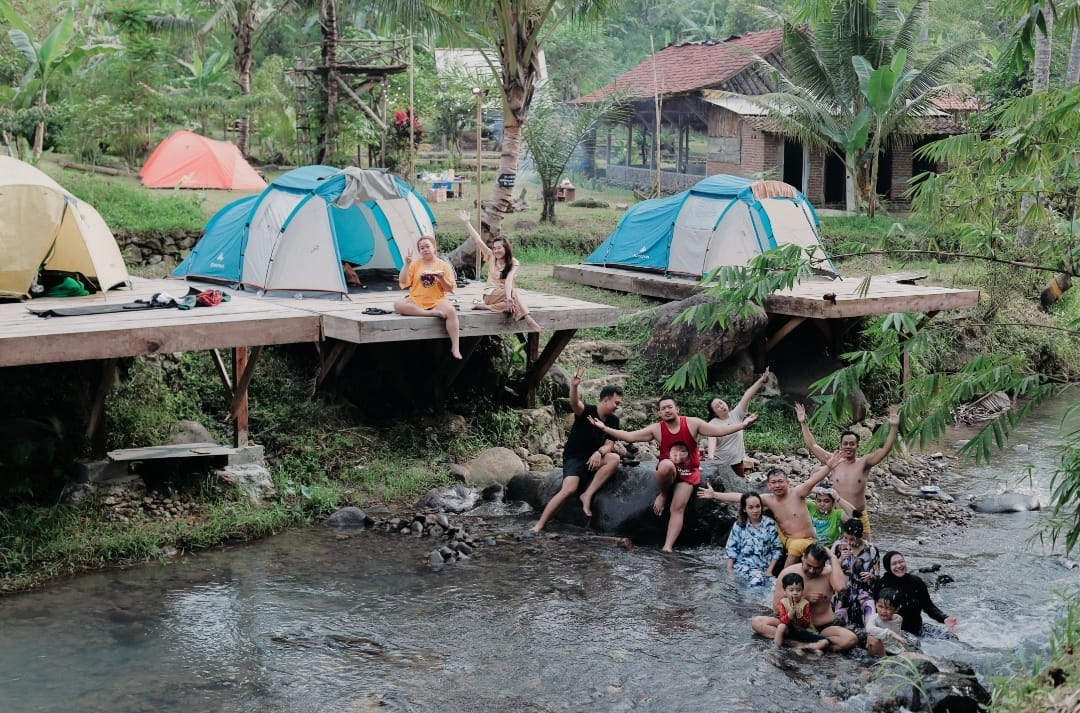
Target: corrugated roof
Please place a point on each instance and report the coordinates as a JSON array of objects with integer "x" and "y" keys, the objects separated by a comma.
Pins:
[{"x": 684, "y": 68}]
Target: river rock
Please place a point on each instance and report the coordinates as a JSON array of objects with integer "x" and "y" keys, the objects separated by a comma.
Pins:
[
  {"x": 623, "y": 507},
  {"x": 454, "y": 498},
  {"x": 1004, "y": 502},
  {"x": 252, "y": 479},
  {"x": 954, "y": 692},
  {"x": 558, "y": 380},
  {"x": 349, "y": 518},
  {"x": 675, "y": 341},
  {"x": 495, "y": 465},
  {"x": 189, "y": 432}
]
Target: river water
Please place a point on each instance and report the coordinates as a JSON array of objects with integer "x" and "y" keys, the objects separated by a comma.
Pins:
[{"x": 309, "y": 621}]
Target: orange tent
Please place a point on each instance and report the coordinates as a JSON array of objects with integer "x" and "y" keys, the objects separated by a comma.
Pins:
[{"x": 187, "y": 160}]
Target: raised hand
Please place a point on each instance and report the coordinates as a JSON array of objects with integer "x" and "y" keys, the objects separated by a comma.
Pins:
[
  {"x": 575, "y": 380},
  {"x": 800, "y": 412},
  {"x": 409, "y": 257},
  {"x": 834, "y": 460},
  {"x": 749, "y": 420},
  {"x": 764, "y": 375},
  {"x": 894, "y": 416},
  {"x": 464, "y": 215}
]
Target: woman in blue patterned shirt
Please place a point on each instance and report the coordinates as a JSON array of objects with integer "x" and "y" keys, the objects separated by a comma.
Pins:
[{"x": 753, "y": 546}]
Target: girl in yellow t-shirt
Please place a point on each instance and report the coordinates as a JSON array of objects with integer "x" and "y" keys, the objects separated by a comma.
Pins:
[{"x": 429, "y": 279}]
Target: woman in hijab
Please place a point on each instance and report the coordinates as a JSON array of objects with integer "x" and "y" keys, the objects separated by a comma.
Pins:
[{"x": 914, "y": 600}]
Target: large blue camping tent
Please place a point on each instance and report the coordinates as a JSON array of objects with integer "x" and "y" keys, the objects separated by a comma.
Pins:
[
  {"x": 721, "y": 220},
  {"x": 291, "y": 239}
]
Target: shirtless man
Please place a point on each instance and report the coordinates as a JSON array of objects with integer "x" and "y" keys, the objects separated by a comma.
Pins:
[
  {"x": 669, "y": 430},
  {"x": 788, "y": 506},
  {"x": 822, "y": 578},
  {"x": 586, "y": 452},
  {"x": 852, "y": 472}
]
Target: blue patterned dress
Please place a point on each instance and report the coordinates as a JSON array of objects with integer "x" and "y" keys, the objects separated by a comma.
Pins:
[{"x": 753, "y": 548}]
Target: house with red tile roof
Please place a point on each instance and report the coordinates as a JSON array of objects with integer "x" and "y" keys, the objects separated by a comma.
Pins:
[{"x": 689, "y": 88}]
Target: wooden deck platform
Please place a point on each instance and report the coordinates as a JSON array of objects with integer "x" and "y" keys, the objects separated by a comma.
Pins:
[
  {"x": 247, "y": 323},
  {"x": 887, "y": 293}
]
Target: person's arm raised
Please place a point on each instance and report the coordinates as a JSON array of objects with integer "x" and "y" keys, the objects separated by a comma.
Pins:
[
  {"x": 477, "y": 238},
  {"x": 877, "y": 456},
  {"x": 804, "y": 488},
  {"x": 820, "y": 453},
  {"x": 576, "y": 404},
  {"x": 704, "y": 428},
  {"x": 744, "y": 402},
  {"x": 643, "y": 434}
]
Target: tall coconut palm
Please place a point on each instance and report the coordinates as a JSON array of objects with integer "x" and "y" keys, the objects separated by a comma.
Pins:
[
  {"x": 511, "y": 33},
  {"x": 819, "y": 99}
]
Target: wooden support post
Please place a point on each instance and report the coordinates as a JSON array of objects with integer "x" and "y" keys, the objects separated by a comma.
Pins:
[
  {"x": 95, "y": 425},
  {"x": 335, "y": 361},
  {"x": 785, "y": 330},
  {"x": 539, "y": 369},
  {"x": 238, "y": 403}
]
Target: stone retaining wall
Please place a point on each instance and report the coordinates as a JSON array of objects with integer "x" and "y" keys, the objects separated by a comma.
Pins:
[{"x": 152, "y": 248}]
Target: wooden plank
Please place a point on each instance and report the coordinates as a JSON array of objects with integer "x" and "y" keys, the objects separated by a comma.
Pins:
[
  {"x": 796, "y": 305},
  {"x": 165, "y": 452},
  {"x": 660, "y": 286}
]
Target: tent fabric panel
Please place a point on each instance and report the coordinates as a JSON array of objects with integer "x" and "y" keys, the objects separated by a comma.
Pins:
[
  {"x": 356, "y": 234},
  {"x": 642, "y": 238},
  {"x": 403, "y": 230},
  {"x": 694, "y": 231},
  {"x": 217, "y": 254},
  {"x": 789, "y": 223},
  {"x": 306, "y": 256},
  {"x": 736, "y": 239},
  {"x": 84, "y": 244},
  {"x": 421, "y": 211},
  {"x": 379, "y": 254},
  {"x": 304, "y": 178},
  {"x": 31, "y": 215},
  {"x": 267, "y": 225}
]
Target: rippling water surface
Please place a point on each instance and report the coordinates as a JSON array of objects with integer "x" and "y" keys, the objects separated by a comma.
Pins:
[{"x": 312, "y": 622}]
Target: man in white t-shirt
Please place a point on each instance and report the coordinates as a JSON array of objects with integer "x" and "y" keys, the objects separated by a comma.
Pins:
[{"x": 730, "y": 449}]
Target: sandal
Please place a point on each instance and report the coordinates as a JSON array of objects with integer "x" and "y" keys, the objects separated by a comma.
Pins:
[{"x": 377, "y": 310}]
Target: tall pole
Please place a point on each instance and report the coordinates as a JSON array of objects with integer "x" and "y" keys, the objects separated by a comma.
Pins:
[{"x": 479, "y": 170}]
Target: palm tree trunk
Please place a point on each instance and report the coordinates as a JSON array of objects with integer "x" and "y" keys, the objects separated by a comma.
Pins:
[
  {"x": 39, "y": 130},
  {"x": 243, "y": 61},
  {"x": 851, "y": 184},
  {"x": 547, "y": 213},
  {"x": 1072, "y": 75},
  {"x": 1040, "y": 82}
]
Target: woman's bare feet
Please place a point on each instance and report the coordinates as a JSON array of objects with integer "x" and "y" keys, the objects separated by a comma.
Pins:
[
  {"x": 659, "y": 504},
  {"x": 532, "y": 324},
  {"x": 586, "y": 504}
]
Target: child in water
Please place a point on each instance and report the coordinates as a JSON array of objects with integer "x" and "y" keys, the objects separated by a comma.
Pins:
[
  {"x": 885, "y": 624},
  {"x": 793, "y": 611}
]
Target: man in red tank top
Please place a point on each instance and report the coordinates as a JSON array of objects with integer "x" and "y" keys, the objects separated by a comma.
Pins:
[{"x": 672, "y": 428}]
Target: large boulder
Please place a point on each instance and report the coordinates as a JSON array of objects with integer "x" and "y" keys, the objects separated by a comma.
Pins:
[
  {"x": 495, "y": 466},
  {"x": 1004, "y": 502},
  {"x": 675, "y": 341},
  {"x": 623, "y": 507}
]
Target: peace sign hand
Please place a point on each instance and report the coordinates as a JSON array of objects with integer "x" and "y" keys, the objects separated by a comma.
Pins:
[{"x": 575, "y": 380}]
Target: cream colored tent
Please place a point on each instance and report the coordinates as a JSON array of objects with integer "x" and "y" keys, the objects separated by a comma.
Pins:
[{"x": 42, "y": 225}]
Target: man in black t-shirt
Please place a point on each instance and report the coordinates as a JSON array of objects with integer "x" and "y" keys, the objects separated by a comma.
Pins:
[{"x": 588, "y": 454}]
